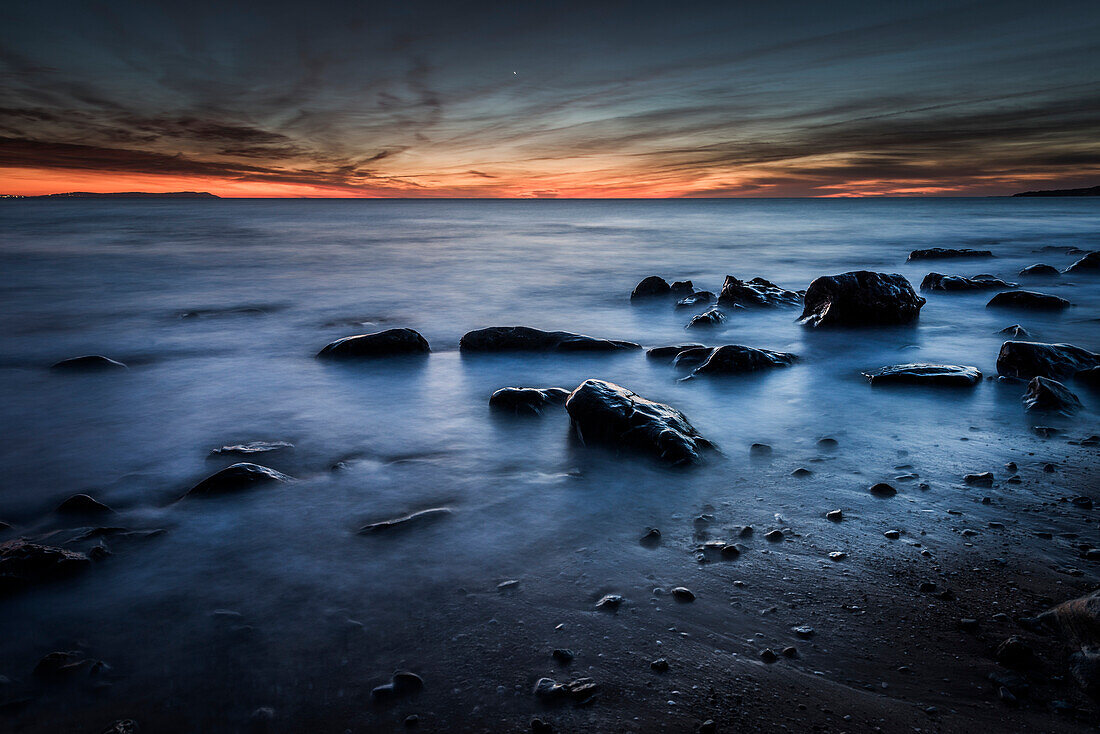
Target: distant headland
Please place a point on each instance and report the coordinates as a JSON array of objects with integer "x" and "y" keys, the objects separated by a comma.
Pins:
[
  {"x": 1091, "y": 191},
  {"x": 123, "y": 195}
]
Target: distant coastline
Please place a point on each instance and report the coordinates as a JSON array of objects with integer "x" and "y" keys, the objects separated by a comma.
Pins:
[
  {"x": 1091, "y": 191},
  {"x": 122, "y": 195}
]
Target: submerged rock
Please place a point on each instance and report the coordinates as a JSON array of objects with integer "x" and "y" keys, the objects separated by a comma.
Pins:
[
  {"x": 23, "y": 563},
  {"x": 1035, "y": 359},
  {"x": 88, "y": 363},
  {"x": 938, "y": 282},
  {"x": 942, "y": 253},
  {"x": 882, "y": 489},
  {"x": 526, "y": 339},
  {"x": 860, "y": 298},
  {"x": 235, "y": 478},
  {"x": 379, "y": 344},
  {"x": 603, "y": 412},
  {"x": 1016, "y": 332},
  {"x": 734, "y": 359},
  {"x": 692, "y": 357},
  {"x": 403, "y": 683},
  {"x": 670, "y": 352},
  {"x": 1044, "y": 393},
  {"x": 710, "y": 317},
  {"x": 756, "y": 292},
  {"x": 698, "y": 298},
  {"x": 1029, "y": 300},
  {"x": 251, "y": 447},
  {"x": 527, "y": 400},
  {"x": 651, "y": 287},
  {"x": 1089, "y": 376},
  {"x": 82, "y": 504},
  {"x": 682, "y": 288},
  {"x": 1090, "y": 262},
  {"x": 952, "y": 375},
  {"x": 406, "y": 521},
  {"x": 1040, "y": 270},
  {"x": 1077, "y": 622}
]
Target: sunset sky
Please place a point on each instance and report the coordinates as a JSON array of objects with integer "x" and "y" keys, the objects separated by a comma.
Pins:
[{"x": 545, "y": 99}]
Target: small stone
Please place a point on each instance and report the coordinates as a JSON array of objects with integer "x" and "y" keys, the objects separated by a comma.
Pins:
[
  {"x": 760, "y": 449},
  {"x": 985, "y": 479},
  {"x": 892, "y": 534},
  {"x": 82, "y": 504},
  {"x": 837, "y": 556},
  {"x": 804, "y": 631},
  {"x": 834, "y": 515},
  {"x": 745, "y": 532},
  {"x": 708, "y": 727},
  {"x": 928, "y": 587},
  {"x": 730, "y": 551},
  {"x": 506, "y": 585},
  {"x": 412, "y": 720},
  {"x": 1011, "y": 466},
  {"x": 768, "y": 656},
  {"x": 563, "y": 656},
  {"x": 659, "y": 665},
  {"x": 651, "y": 538},
  {"x": 801, "y": 473},
  {"x": 1015, "y": 653},
  {"x": 1082, "y": 502},
  {"x": 882, "y": 489},
  {"x": 609, "y": 602},
  {"x": 827, "y": 443},
  {"x": 774, "y": 536},
  {"x": 968, "y": 625},
  {"x": 1050, "y": 468},
  {"x": 790, "y": 652},
  {"x": 683, "y": 594},
  {"x": 538, "y": 726}
]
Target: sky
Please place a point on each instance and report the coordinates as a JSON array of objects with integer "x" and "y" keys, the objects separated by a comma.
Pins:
[{"x": 549, "y": 99}]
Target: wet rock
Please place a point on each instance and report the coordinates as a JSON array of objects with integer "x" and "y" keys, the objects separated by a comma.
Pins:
[
  {"x": 774, "y": 536},
  {"x": 984, "y": 479},
  {"x": 1016, "y": 332},
  {"x": 683, "y": 594},
  {"x": 760, "y": 449},
  {"x": 768, "y": 655},
  {"x": 968, "y": 625},
  {"x": 122, "y": 726},
  {"x": 698, "y": 298},
  {"x": 82, "y": 504},
  {"x": 1035, "y": 359},
  {"x": 827, "y": 443},
  {"x": 88, "y": 363},
  {"x": 236, "y": 478},
  {"x": 950, "y": 375},
  {"x": 526, "y": 339},
  {"x": 928, "y": 587},
  {"x": 1015, "y": 653},
  {"x": 579, "y": 690},
  {"x": 538, "y": 726},
  {"x": 802, "y": 473},
  {"x": 1085, "y": 503},
  {"x": 710, "y": 317},
  {"x": 837, "y": 556},
  {"x": 527, "y": 400},
  {"x": 1089, "y": 263},
  {"x": 406, "y": 522},
  {"x": 1029, "y": 300},
  {"x": 882, "y": 489},
  {"x": 563, "y": 656},
  {"x": 651, "y": 538},
  {"x": 388, "y": 343},
  {"x": 412, "y": 720},
  {"x": 659, "y": 665},
  {"x": 892, "y": 534},
  {"x": 403, "y": 683},
  {"x": 669, "y": 353},
  {"x": 610, "y": 602},
  {"x": 252, "y": 447},
  {"x": 756, "y": 292},
  {"x": 708, "y": 727},
  {"x": 1050, "y": 395},
  {"x": 1077, "y": 622},
  {"x": 939, "y": 282},
  {"x": 651, "y": 287},
  {"x": 834, "y": 515},
  {"x": 942, "y": 253},
  {"x": 745, "y": 532},
  {"x": 860, "y": 298},
  {"x": 56, "y": 664},
  {"x": 733, "y": 359},
  {"x": 1040, "y": 270},
  {"x": 682, "y": 287},
  {"x": 23, "y": 563},
  {"x": 804, "y": 631},
  {"x": 605, "y": 413}
]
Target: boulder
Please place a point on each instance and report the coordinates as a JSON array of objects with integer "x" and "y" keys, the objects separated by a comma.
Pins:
[
  {"x": 651, "y": 287},
  {"x": 711, "y": 317},
  {"x": 527, "y": 400},
  {"x": 386, "y": 343},
  {"x": 88, "y": 363},
  {"x": 733, "y": 359},
  {"x": 1089, "y": 263},
  {"x": 668, "y": 353},
  {"x": 860, "y": 298},
  {"x": 938, "y": 282},
  {"x": 951, "y": 375},
  {"x": 1039, "y": 270},
  {"x": 756, "y": 292},
  {"x": 682, "y": 288},
  {"x": 1077, "y": 622},
  {"x": 1044, "y": 393},
  {"x": 1035, "y": 359},
  {"x": 236, "y": 478},
  {"x": 23, "y": 563},
  {"x": 1029, "y": 300},
  {"x": 82, "y": 504},
  {"x": 943, "y": 253},
  {"x": 526, "y": 339},
  {"x": 698, "y": 298},
  {"x": 604, "y": 413}
]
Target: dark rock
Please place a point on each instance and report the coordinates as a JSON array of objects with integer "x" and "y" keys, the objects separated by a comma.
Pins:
[
  {"x": 610, "y": 602},
  {"x": 563, "y": 656},
  {"x": 669, "y": 353},
  {"x": 1085, "y": 503},
  {"x": 386, "y": 343},
  {"x": 412, "y": 720},
  {"x": 526, "y": 339},
  {"x": 1034, "y": 359},
  {"x": 652, "y": 538},
  {"x": 938, "y": 282},
  {"x": 1077, "y": 622},
  {"x": 756, "y": 292},
  {"x": 681, "y": 287},
  {"x": 928, "y": 587},
  {"x": 950, "y": 375},
  {"x": 698, "y": 298},
  {"x": 236, "y": 478},
  {"x": 768, "y": 656},
  {"x": 82, "y": 504},
  {"x": 683, "y": 594},
  {"x": 941, "y": 253},
  {"x": 1090, "y": 262},
  {"x": 860, "y": 298},
  {"x": 403, "y": 683},
  {"x": 406, "y": 521},
  {"x": 834, "y": 515},
  {"x": 710, "y": 317},
  {"x": 603, "y": 412},
  {"x": 760, "y": 449},
  {"x": 827, "y": 443},
  {"x": 651, "y": 287},
  {"x": 984, "y": 479},
  {"x": 692, "y": 357},
  {"x": 122, "y": 726},
  {"x": 1046, "y": 394},
  {"x": 252, "y": 447},
  {"x": 892, "y": 534},
  {"x": 837, "y": 556},
  {"x": 1015, "y": 653},
  {"x": 968, "y": 625},
  {"x": 734, "y": 359},
  {"x": 88, "y": 363},
  {"x": 882, "y": 489},
  {"x": 1028, "y": 299},
  {"x": 804, "y": 631},
  {"x": 538, "y": 726},
  {"x": 1040, "y": 270},
  {"x": 789, "y": 652},
  {"x": 580, "y": 690},
  {"x": 56, "y": 664},
  {"x": 745, "y": 532},
  {"x": 802, "y": 473},
  {"x": 527, "y": 400},
  {"x": 1016, "y": 332},
  {"x": 23, "y": 563},
  {"x": 660, "y": 665},
  {"x": 708, "y": 727},
  {"x": 774, "y": 536}
]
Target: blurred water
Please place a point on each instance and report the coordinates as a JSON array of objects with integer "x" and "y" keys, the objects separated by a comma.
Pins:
[{"x": 114, "y": 278}]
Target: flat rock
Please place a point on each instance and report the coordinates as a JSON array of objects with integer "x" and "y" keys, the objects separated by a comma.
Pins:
[
  {"x": 388, "y": 343},
  {"x": 526, "y": 339},
  {"x": 1029, "y": 300},
  {"x": 235, "y": 478},
  {"x": 651, "y": 287},
  {"x": 860, "y": 298},
  {"x": 82, "y": 504},
  {"x": 1044, "y": 393},
  {"x": 23, "y": 563},
  {"x": 710, "y": 317},
  {"x": 527, "y": 400},
  {"x": 943, "y": 253},
  {"x": 88, "y": 363},
  {"x": 938, "y": 282},
  {"x": 756, "y": 292},
  {"x": 251, "y": 447},
  {"x": 605, "y": 413},
  {"x": 1035, "y": 359},
  {"x": 670, "y": 352},
  {"x": 1040, "y": 270},
  {"x": 733, "y": 359},
  {"x": 951, "y": 375},
  {"x": 1089, "y": 263},
  {"x": 406, "y": 521}
]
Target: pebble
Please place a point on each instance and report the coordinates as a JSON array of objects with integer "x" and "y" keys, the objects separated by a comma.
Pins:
[
  {"x": 760, "y": 449},
  {"x": 538, "y": 726},
  {"x": 968, "y": 625},
  {"x": 801, "y": 472},
  {"x": 882, "y": 489},
  {"x": 804, "y": 631},
  {"x": 563, "y": 656},
  {"x": 834, "y": 515},
  {"x": 928, "y": 587},
  {"x": 610, "y": 602},
  {"x": 774, "y": 535},
  {"x": 659, "y": 665},
  {"x": 1082, "y": 502},
  {"x": 651, "y": 537},
  {"x": 768, "y": 656},
  {"x": 984, "y": 479},
  {"x": 892, "y": 534},
  {"x": 683, "y": 594},
  {"x": 790, "y": 652},
  {"x": 837, "y": 556}
]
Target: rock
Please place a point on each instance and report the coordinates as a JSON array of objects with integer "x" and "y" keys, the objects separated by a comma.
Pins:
[
  {"x": 860, "y": 298},
  {"x": 949, "y": 375},
  {"x": 882, "y": 489},
  {"x": 698, "y": 298},
  {"x": 386, "y": 343},
  {"x": 403, "y": 683},
  {"x": 1077, "y": 622},
  {"x": 610, "y": 602},
  {"x": 708, "y": 727},
  {"x": 774, "y": 536},
  {"x": 527, "y": 400},
  {"x": 941, "y": 253},
  {"x": 603, "y": 412},
  {"x": 938, "y": 282},
  {"x": 651, "y": 538},
  {"x": 82, "y": 504},
  {"x": 760, "y": 449},
  {"x": 1015, "y": 653},
  {"x": 1090, "y": 262},
  {"x": 682, "y": 288},
  {"x": 1051, "y": 395},
  {"x": 827, "y": 443},
  {"x": 651, "y": 287},
  {"x": 802, "y": 473},
  {"x": 563, "y": 656},
  {"x": 756, "y": 292},
  {"x": 412, "y": 720},
  {"x": 406, "y": 521},
  {"x": 1085, "y": 503},
  {"x": 968, "y": 625},
  {"x": 1040, "y": 270},
  {"x": 834, "y": 515},
  {"x": 579, "y": 690},
  {"x": 526, "y": 339},
  {"x": 57, "y": 663},
  {"x": 671, "y": 352},
  {"x": 659, "y": 665},
  {"x": 1034, "y": 359},
  {"x": 928, "y": 587},
  {"x": 768, "y": 656},
  {"x": 984, "y": 479},
  {"x": 734, "y": 359},
  {"x": 710, "y": 317},
  {"x": 892, "y": 534},
  {"x": 122, "y": 726},
  {"x": 236, "y": 478},
  {"x": 252, "y": 447},
  {"x": 1029, "y": 300},
  {"x": 1016, "y": 332},
  {"x": 88, "y": 363},
  {"x": 508, "y": 585},
  {"x": 804, "y": 631},
  {"x": 23, "y": 563},
  {"x": 538, "y": 726},
  {"x": 837, "y": 556},
  {"x": 683, "y": 594}
]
